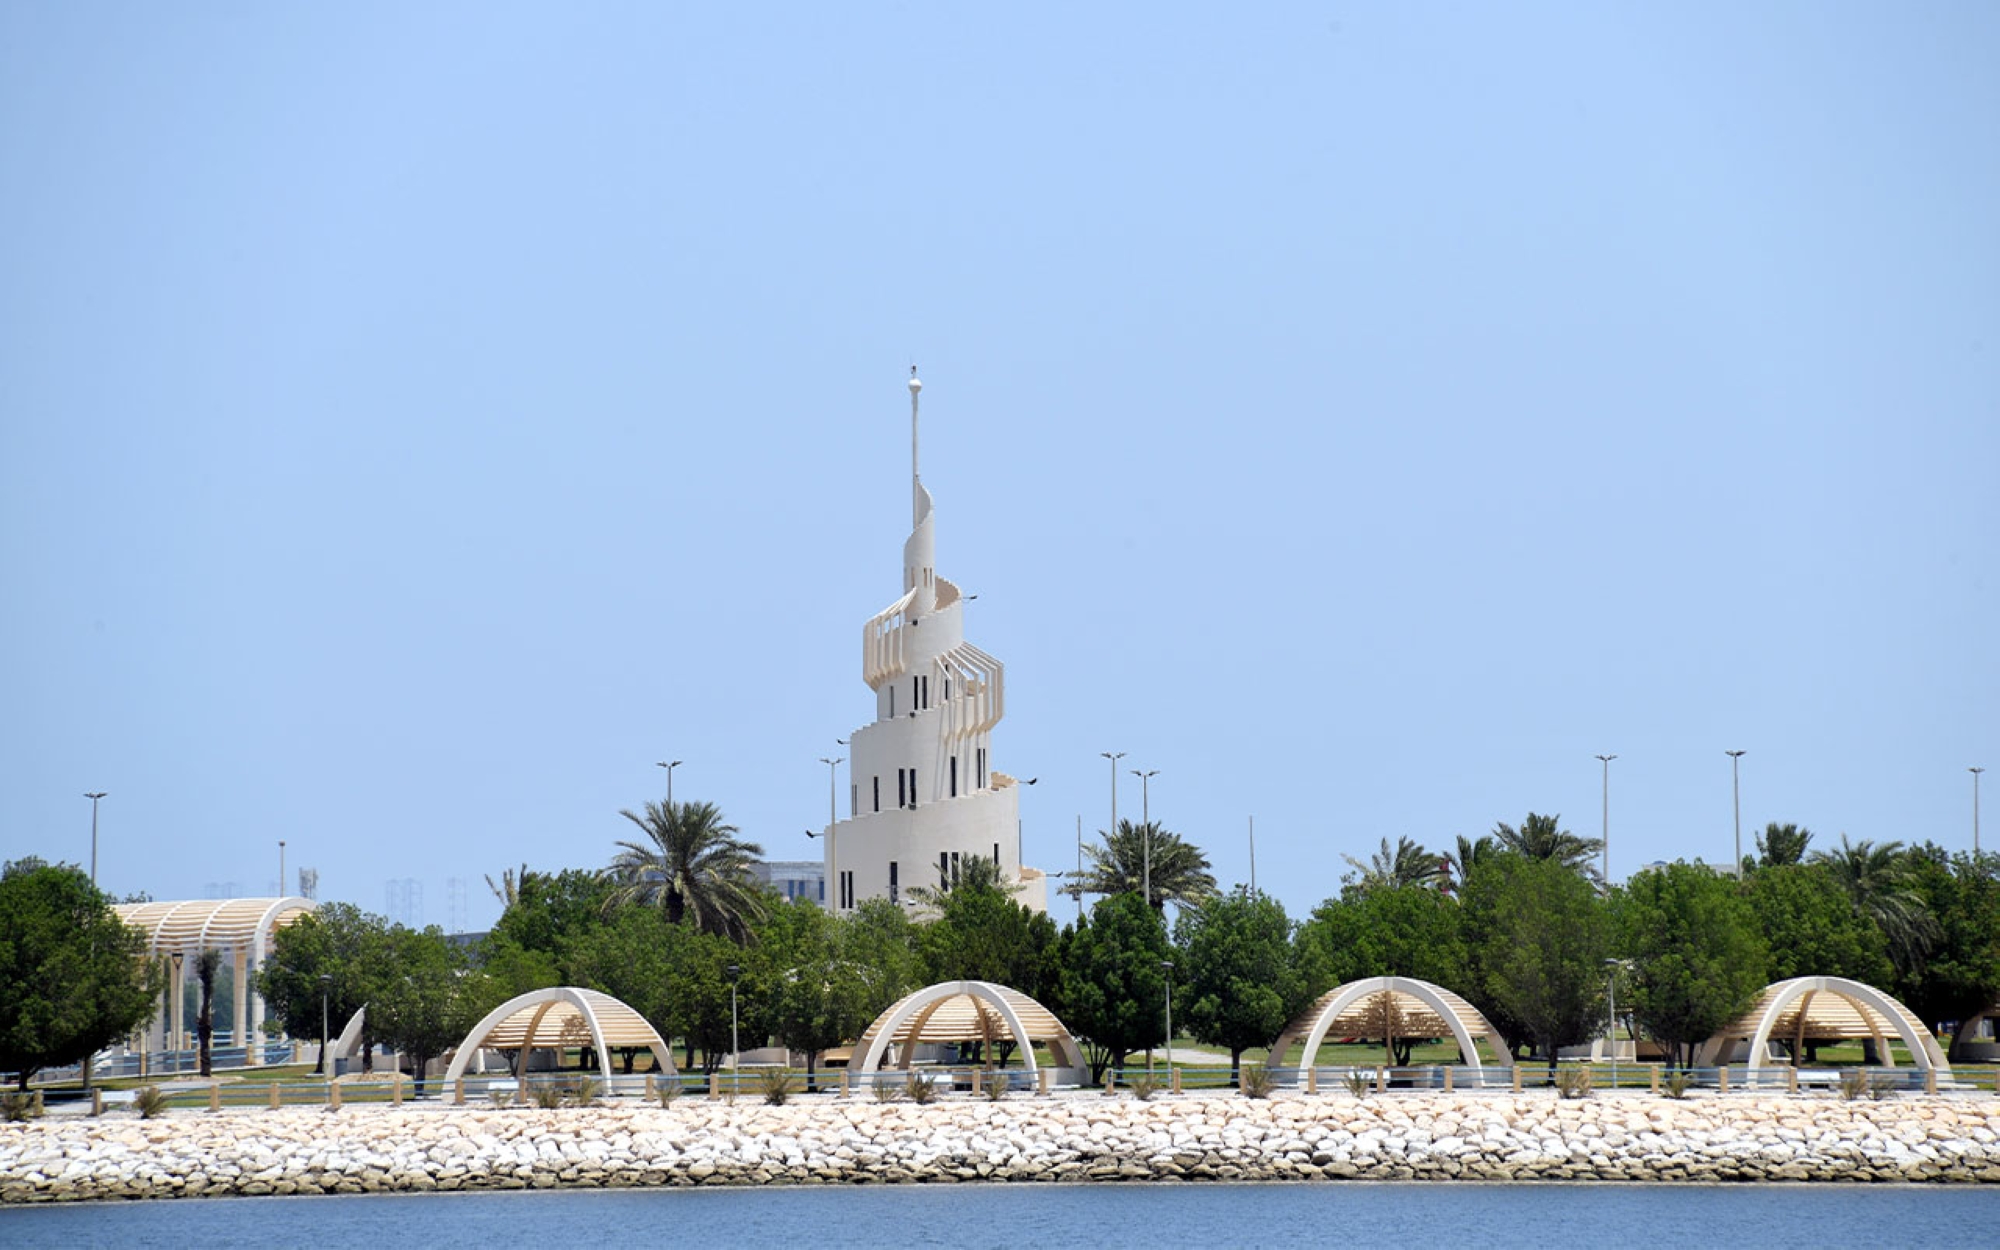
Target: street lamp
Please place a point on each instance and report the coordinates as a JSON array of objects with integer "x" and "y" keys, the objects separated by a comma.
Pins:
[
  {"x": 1167, "y": 971},
  {"x": 1607, "y": 820},
  {"x": 325, "y": 991},
  {"x": 735, "y": 971},
  {"x": 1975, "y": 809},
  {"x": 832, "y": 818},
  {"x": 1112, "y": 832},
  {"x": 175, "y": 1010},
  {"x": 1736, "y": 803},
  {"x": 281, "y": 868},
  {"x": 670, "y": 766},
  {"x": 1611, "y": 1034},
  {"x": 93, "y": 796},
  {"x": 1146, "y": 829}
]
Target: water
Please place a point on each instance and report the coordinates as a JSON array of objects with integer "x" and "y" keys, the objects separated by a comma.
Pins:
[{"x": 960, "y": 1216}]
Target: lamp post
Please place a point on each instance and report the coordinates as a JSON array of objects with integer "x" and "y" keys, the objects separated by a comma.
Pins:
[
  {"x": 1167, "y": 972},
  {"x": 670, "y": 766},
  {"x": 1112, "y": 832},
  {"x": 1611, "y": 1034},
  {"x": 325, "y": 992},
  {"x": 1607, "y": 820},
  {"x": 832, "y": 818},
  {"x": 1253, "y": 857},
  {"x": 1079, "y": 870},
  {"x": 1146, "y": 830},
  {"x": 735, "y": 971},
  {"x": 281, "y": 868},
  {"x": 93, "y": 796},
  {"x": 1736, "y": 804},
  {"x": 1975, "y": 809},
  {"x": 174, "y": 1011}
]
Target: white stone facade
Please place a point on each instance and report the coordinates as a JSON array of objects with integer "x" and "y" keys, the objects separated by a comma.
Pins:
[{"x": 924, "y": 793}]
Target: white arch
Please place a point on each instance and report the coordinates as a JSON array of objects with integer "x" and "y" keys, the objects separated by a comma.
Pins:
[
  {"x": 629, "y": 1028},
  {"x": 922, "y": 1004},
  {"x": 1429, "y": 995},
  {"x": 1873, "y": 1005}
]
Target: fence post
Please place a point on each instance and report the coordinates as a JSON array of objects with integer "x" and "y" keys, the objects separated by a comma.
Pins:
[
  {"x": 651, "y": 1091},
  {"x": 96, "y": 1101},
  {"x": 1654, "y": 1083},
  {"x": 1448, "y": 1073},
  {"x": 276, "y": 1096},
  {"x": 1791, "y": 1080},
  {"x": 714, "y": 1085},
  {"x": 1312, "y": 1080},
  {"x": 1381, "y": 1079},
  {"x": 333, "y": 1095},
  {"x": 1176, "y": 1081},
  {"x": 1930, "y": 1080},
  {"x": 1110, "y": 1080},
  {"x": 844, "y": 1086},
  {"x": 396, "y": 1091},
  {"x": 458, "y": 1092},
  {"x": 215, "y": 1097},
  {"x": 1722, "y": 1079},
  {"x": 1041, "y": 1080}
]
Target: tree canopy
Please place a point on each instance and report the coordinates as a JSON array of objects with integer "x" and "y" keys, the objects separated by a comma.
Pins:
[
  {"x": 1239, "y": 981},
  {"x": 1697, "y": 959},
  {"x": 691, "y": 865},
  {"x": 1539, "y": 934},
  {"x": 1136, "y": 853},
  {"x": 73, "y": 977}
]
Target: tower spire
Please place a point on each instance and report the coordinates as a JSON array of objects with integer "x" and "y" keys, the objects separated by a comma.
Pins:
[{"x": 916, "y": 480}]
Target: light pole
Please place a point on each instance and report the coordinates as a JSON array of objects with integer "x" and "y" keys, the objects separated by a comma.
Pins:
[
  {"x": 1607, "y": 820},
  {"x": 1611, "y": 1034},
  {"x": 176, "y": 1010},
  {"x": 1975, "y": 809},
  {"x": 93, "y": 796},
  {"x": 1167, "y": 971},
  {"x": 1146, "y": 829},
  {"x": 1736, "y": 804},
  {"x": 325, "y": 991},
  {"x": 832, "y": 818},
  {"x": 281, "y": 868},
  {"x": 1079, "y": 870},
  {"x": 1253, "y": 857},
  {"x": 670, "y": 766},
  {"x": 735, "y": 971}
]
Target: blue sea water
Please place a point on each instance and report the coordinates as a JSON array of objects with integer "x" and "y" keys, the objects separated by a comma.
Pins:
[{"x": 1541, "y": 1215}]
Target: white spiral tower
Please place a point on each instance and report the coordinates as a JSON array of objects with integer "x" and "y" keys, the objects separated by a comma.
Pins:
[{"x": 925, "y": 794}]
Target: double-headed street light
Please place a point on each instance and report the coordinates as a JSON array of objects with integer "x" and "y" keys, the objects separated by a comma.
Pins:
[
  {"x": 1606, "y": 759},
  {"x": 325, "y": 992},
  {"x": 1736, "y": 804},
  {"x": 833, "y": 818},
  {"x": 1975, "y": 809},
  {"x": 93, "y": 796},
  {"x": 1167, "y": 972},
  {"x": 670, "y": 766},
  {"x": 1146, "y": 830}
]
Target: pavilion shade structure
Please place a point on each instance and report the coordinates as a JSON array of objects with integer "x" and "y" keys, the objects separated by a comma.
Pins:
[
  {"x": 1826, "y": 1009},
  {"x": 562, "y": 1018},
  {"x": 967, "y": 1011},
  {"x": 242, "y": 927},
  {"x": 1389, "y": 1009}
]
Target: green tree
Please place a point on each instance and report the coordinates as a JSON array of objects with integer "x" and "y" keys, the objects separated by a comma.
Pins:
[
  {"x": 206, "y": 965},
  {"x": 1411, "y": 931},
  {"x": 324, "y": 967},
  {"x": 1698, "y": 959},
  {"x": 424, "y": 1001},
  {"x": 1812, "y": 929},
  {"x": 1780, "y": 844},
  {"x": 879, "y": 935},
  {"x": 1470, "y": 854},
  {"x": 1136, "y": 853},
  {"x": 1114, "y": 991},
  {"x": 73, "y": 977},
  {"x": 692, "y": 866},
  {"x": 1542, "y": 837},
  {"x": 1878, "y": 879},
  {"x": 981, "y": 934},
  {"x": 1239, "y": 982},
  {"x": 1538, "y": 935},
  {"x": 1388, "y": 869},
  {"x": 1960, "y": 978},
  {"x": 630, "y": 957},
  {"x": 815, "y": 996}
]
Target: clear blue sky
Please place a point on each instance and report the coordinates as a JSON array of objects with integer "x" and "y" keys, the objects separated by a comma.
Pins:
[{"x": 416, "y": 420}]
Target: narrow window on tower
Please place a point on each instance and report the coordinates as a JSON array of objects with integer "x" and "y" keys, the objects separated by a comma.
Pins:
[
  {"x": 927, "y": 690},
  {"x": 853, "y": 798},
  {"x": 892, "y": 703},
  {"x": 893, "y": 887},
  {"x": 846, "y": 891},
  {"x": 954, "y": 776},
  {"x": 902, "y": 797},
  {"x": 878, "y": 791},
  {"x": 982, "y": 768},
  {"x": 996, "y": 855},
  {"x": 954, "y": 867},
  {"x": 947, "y": 687},
  {"x": 944, "y": 871}
]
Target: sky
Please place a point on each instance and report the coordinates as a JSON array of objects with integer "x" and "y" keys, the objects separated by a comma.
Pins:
[{"x": 417, "y": 421}]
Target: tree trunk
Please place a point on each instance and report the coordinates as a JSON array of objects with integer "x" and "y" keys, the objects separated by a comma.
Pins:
[{"x": 1235, "y": 1066}]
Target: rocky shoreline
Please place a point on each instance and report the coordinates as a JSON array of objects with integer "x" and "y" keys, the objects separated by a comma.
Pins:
[{"x": 1089, "y": 1137}]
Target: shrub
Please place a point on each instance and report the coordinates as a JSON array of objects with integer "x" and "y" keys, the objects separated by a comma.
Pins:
[
  {"x": 1143, "y": 1086},
  {"x": 886, "y": 1091},
  {"x": 500, "y": 1097},
  {"x": 1573, "y": 1082},
  {"x": 995, "y": 1087},
  {"x": 776, "y": 1085},
  {"x": 1853, "y": 1084},
  {"x": 1256, "y": 1082},
  {"x": 1359, "y": 1083},
  {"x": 1676, "y": 1083},
  {"x": 1883, "y": 1085},
  {"x": 584, "y": 1092},
  {"x": 16, "y": 1107},
  {"x": 150, "y": 1102},
  {"x": 921, "y": 1088},
  {"x": 547, "y": 1095},
  {"x": 669, "y": 1089}
]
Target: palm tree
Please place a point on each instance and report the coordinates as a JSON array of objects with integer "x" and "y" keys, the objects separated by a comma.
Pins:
[
  {"x": 1472, "y": 852},
  {"x": 508, "y": 888},
  {"x": 1883, "y": 888},
  {"x": 1541, "y": 837},
  {"x": 1178, "y": 870},
  {"x": 1782, "y": 844},
  {"x": 975, "y": 872},
  {"x": 691, "y": 866},
  {"x": 1408, "y": 864}
]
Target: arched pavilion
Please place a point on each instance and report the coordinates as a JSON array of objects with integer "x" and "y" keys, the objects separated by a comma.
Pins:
[
  {"x": 971, "y": 1011},
  {"x": 241, "y": 928},
  {"x": 1390, "y": 1008},
  {"x": 1824, "y": 1009},
  {"x": 561, "y": 1017}
]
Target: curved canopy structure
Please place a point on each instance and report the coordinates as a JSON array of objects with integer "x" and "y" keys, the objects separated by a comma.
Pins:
[
  {"x": 969, "y": 1011},
  {"x": 1390, "y": 1008},
  {"x": 560, "y": 1017},
  {"x": 243, "y": 927},
  {"x": 1825, "y": 1009}
]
